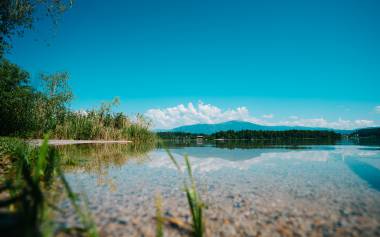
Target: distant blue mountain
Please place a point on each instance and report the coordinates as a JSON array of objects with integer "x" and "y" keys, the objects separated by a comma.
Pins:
[{"x": 242, "y": 125}]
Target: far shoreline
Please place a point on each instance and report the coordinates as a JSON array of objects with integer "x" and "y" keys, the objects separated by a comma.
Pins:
[{"x": 57, "y": 142}]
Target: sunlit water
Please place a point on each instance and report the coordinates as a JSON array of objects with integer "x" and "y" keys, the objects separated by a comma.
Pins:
[{"x": 326, "y": 190}]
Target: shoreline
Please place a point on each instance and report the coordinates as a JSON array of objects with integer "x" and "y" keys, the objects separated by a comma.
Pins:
[{"x": 57, "y": 142}]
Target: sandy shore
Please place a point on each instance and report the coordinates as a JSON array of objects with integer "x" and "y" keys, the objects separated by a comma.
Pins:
[{"x": 72, "y": 142}]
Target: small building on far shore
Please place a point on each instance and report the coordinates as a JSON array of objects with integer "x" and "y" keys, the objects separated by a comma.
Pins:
[{"x": 200, "y": 139}]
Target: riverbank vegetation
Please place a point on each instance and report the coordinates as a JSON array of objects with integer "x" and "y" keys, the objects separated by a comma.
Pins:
[{"x": 30, "y": 112}]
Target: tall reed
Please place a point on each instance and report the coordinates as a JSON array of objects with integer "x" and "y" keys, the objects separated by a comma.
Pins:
[
  {"x": 103, "y": 124},
  {"x": 194, "y": 200},
  {"x": 159, "y": 217}
]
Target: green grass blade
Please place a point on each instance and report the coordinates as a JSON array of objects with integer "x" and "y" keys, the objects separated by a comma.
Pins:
[
  {"x": 195, "y": 203},
  {"x": 173, "y": 159},
  {"x": 41, "y": 160},
  {"x": 189, "y": 170},
  {"x": 159, "y": 217}
]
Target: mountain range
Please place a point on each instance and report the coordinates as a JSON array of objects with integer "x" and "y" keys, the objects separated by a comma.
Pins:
[{"x": 242, "y": 125}]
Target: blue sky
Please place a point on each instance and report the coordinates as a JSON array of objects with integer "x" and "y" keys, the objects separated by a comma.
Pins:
[{"x": 285, "y": 62}]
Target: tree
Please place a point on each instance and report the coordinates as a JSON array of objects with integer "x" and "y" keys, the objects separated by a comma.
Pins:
[
  {"x": 17, "y": 99},
  {"x": 16, "y": 16},
  {"x": 55, "y": 95},
  {"x": 26, "y": 111}
]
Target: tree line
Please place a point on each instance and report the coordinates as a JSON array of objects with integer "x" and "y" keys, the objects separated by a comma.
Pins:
[
  {"x": 254, "y": 134},
  {"x": 367, "y": 133}
]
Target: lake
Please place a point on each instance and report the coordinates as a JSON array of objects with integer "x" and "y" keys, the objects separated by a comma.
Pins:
[{"x": 250, "y": 189}]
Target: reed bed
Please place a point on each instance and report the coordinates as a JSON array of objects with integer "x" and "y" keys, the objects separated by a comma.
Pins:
[{"x": 100, "y": 125}]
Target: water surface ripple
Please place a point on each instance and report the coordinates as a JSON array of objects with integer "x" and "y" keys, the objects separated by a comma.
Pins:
[{"x": 313, "y": 190}]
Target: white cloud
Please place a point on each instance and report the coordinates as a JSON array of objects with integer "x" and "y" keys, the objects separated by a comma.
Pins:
[
  {"x": 212, "y": 163},
  {"x": 321, "y": 122},
  {"x": 377, "y": 109},
  {"x": 364, "y": 123},
  {"x": 268, "y": 116},
  {"x": 206, "y": 113},
  {"x": 190, "y": 114},
  {"x": 81, "y": 112}
]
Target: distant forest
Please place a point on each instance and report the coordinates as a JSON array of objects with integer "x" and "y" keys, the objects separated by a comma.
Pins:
[
  {"x": 253, "y": 135},
  {"x": 367, "y": 133}
]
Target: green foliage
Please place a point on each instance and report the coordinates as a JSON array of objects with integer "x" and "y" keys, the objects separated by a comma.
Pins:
[
  {"x": 179, "y": 135},
  {"x": 24, "y": 111},
  {"x": 25, "y": 198},
  {"x": 103, "y": 124},
  {"x": 51, "y": 106},
  {"x": 9, "y": 146},
  {"x": 254, "y": 135},
  {"x": 196, "y": 204},
  {"x": 159, "y": 217},
  {"x": 367, "y": 133},
  {"x": 295, "y": 134},
  {"x": 17, "y": 100},
  {"x": 26, "y": 201},
  {"x": 16, "y": 16},
  {"x": 28, "y": 112}
]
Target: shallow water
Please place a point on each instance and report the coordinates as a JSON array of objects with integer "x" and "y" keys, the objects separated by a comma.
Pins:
[{"x": 266, "y": 190}]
